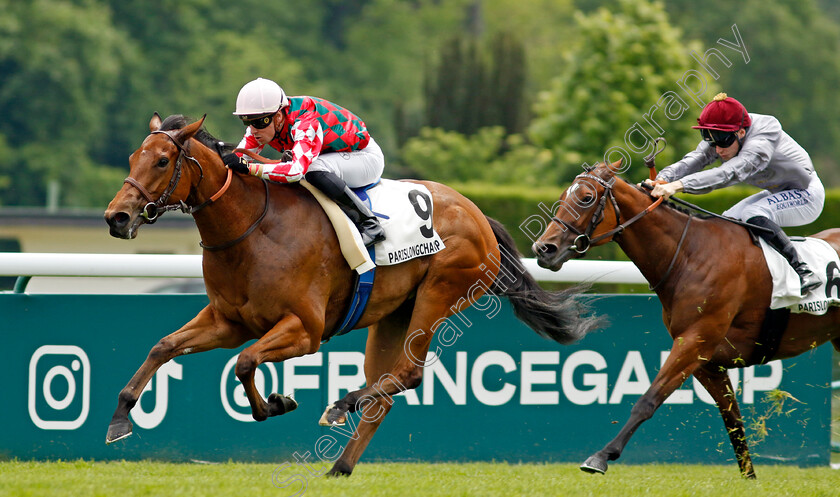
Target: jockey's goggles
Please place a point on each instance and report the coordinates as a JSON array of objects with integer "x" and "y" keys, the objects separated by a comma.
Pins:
[
  {"x": 718, "y": 138},
  {"x": 260, "y": 122}
]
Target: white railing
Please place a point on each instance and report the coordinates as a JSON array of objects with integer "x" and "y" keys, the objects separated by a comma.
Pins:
[
  {"x": 189, "y": 266},
  {"x": 114, "y": 265}
]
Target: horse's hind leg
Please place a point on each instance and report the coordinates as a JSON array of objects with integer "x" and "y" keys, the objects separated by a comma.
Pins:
[
  {"x": 207, "y": 331},
  {"x": 717, "y": 383},
  {"x": 384, "y": 346},
  {"x": 436, "y": 300}
]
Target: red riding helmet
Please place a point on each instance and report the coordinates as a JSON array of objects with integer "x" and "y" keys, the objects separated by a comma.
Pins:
[{"x": 723, "y": 114}]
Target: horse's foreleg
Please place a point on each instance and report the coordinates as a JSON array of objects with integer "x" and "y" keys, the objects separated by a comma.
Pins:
[
  {"x": 207, "y": 331},
  {"x": 287, "y": 339},
  {"x": 687, "y": 354},
  {"x": 719, "y": 387}
]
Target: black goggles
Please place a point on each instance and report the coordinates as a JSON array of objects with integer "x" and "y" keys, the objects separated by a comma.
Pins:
[
  {"x": 717, "y": 138},
  {"x": 258, "y": 122}
]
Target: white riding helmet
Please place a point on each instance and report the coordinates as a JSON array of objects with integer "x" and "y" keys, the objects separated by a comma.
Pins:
[{"x": 261, "y": 96}]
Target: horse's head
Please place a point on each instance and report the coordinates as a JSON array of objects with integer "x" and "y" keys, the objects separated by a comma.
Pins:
[
  {"x": 585, "y": 211},
  {"x": 161, "y": 175}
]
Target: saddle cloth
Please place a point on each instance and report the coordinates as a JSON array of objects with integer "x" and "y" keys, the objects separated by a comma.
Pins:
[
  {"x": 405, "y": 212},
  {"x": 822, "y": 260}
]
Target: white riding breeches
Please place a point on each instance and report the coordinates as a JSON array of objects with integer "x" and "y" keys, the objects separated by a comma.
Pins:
[
  {"x": 786, "y": 208},
  {"x": 357, "y": 168}
]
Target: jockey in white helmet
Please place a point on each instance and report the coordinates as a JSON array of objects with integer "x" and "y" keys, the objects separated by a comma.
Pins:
[{"x": 327, "y": 144}]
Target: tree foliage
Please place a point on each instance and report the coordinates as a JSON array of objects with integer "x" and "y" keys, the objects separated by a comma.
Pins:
[
  {"x": 60, "y": 63},
  {"x": 474, "y": 86},
  {"x": 489, "y": 155},
  {"x": 793, "y": 72},
  {"x": 625, "y": 65},
  {"x": 80, "y": 78},
  {"x": 625, "y": 62}
]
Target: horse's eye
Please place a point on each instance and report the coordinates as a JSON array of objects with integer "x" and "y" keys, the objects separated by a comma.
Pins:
[
  {"x": 586, "y": 199},
  {"x": 163, "y": 162}
]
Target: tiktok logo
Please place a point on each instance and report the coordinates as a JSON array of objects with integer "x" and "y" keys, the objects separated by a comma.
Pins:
[{"x": 153, "y": 418}]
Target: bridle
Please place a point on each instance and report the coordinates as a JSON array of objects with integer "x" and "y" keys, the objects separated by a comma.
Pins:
[
  {"x": 598, "y": 217},
  {"x": 583, "y": 242},
  {"x": 585, "y": 238},
  {"x": 156, "y": 208}
]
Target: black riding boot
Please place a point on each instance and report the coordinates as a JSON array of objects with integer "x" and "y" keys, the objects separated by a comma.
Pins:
[
  {"x": 358, "y": 212},
  {"x": 780, "y": 241}
]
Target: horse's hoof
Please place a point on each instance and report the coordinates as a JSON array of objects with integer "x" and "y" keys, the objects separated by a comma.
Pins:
[
  {"x": 594, "y": 464},
  {"x": 280, "y": 404},
  {"x": 118, "y": 430},
  {"x": 339, "y": 469},
  {"x": 336, "y": 474},
  {"x": 333, "y": 416}
]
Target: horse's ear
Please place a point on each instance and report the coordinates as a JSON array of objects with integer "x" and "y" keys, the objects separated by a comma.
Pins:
[
  {"x": 187, "y": 132},
  {"x": 155, "y": 123},
  {"x": 616, "y": 166}
]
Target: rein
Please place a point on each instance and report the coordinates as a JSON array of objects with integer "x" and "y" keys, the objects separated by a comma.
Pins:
[
  {"x": 674, "y": 258},
  {"x": 749, "y": 226},
  {"x": 257, "y": 157},
  {"x": 226, "y": 245}
]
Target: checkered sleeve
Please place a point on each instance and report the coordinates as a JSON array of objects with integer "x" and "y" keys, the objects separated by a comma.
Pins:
[
  {"x": 308, "y": 138},
  {"x": 249, "y": 143}
]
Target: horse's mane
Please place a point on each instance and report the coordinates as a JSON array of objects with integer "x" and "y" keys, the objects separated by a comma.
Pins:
[
  {"x": 686, "y": 210},
  {"x": 178, "y": 121}
]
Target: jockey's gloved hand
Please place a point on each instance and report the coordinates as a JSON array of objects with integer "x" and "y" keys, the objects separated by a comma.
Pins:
[{"x": 236, "y": 163}]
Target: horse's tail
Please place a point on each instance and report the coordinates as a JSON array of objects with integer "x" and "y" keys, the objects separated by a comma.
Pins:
[{"x": 556, "y": 315}]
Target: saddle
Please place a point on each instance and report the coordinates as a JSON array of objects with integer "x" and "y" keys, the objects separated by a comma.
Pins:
[{"x": 349, "y": 240}]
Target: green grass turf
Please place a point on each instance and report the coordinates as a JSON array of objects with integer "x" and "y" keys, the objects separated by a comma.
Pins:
[{"x": 86, "y": 478}]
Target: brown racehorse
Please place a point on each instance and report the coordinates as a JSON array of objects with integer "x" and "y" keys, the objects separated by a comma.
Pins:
[
  {"x": 274, "y": 273},
  {"x": 713, "y": 284}
]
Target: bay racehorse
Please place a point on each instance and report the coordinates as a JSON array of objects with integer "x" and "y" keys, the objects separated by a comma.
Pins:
[
  {"x": 713, "y": 284},
  {"x": 274, "y": 273}
]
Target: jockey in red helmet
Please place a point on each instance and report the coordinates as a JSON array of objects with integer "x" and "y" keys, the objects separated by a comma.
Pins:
[
  {"x": 328, "y": 145},
  {"x": 753, "y": 149}
]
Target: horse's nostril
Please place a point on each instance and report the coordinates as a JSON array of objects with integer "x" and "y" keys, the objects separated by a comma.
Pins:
[
  {"x": 118, "y": 220},
  {"x": 542, "y": 249}
]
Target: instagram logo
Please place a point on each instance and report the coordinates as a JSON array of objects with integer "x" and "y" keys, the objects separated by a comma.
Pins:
[
  {"x": 234, "y": 400},
  {"x": 59, "y": 387}
]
